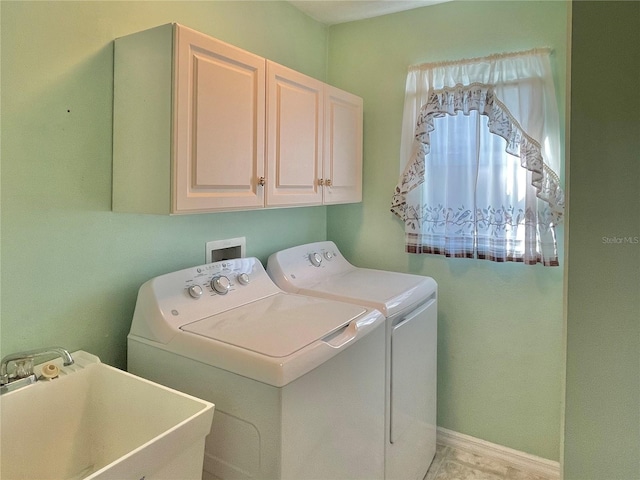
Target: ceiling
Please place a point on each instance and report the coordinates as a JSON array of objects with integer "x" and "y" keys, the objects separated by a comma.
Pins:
[{"x": 332, "y": 12}]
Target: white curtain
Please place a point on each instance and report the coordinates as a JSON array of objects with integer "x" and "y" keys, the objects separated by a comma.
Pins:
[{"x": 479, "y": 152}]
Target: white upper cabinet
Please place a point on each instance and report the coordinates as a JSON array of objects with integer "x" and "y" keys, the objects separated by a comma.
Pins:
[
  {"x": 189, "y": 115},
  {"x": 203, "y": 126},
  {"x": 219, "y": 125},
  {"x": 294, "y": 137},
  {"x": 342, "y": 147}
]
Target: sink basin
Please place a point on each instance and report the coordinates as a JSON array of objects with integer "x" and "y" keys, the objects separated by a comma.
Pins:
[{"x": 97, "y": 422}]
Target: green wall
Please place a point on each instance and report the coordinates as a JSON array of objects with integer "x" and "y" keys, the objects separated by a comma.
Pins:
[
  {"x": 602, "y": 433},
  {"x": 70, "y": 267},
  {"x": 500, "y": 338}
]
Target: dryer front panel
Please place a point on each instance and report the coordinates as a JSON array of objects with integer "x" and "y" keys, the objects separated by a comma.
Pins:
[{"x": 413, "y": 391}]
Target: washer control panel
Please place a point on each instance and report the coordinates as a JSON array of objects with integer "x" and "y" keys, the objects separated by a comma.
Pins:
[
  {"x": 198, "y": 292},
  {"x": 219, "y": 278}
]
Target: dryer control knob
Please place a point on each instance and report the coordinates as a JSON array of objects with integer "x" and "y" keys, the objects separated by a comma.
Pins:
[
  {"x": 315, "y": 259},
  {"x": 328, "y": 255},
  {"x": 243, "y": 279},
  {"x": 195, "y": 291},
  {"x": 221, "y": 285}
]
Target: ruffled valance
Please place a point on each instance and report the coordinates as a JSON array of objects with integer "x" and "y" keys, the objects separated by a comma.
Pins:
[
  {"x": 459, "y": 202},
  {"x": 481, "y": 98}
]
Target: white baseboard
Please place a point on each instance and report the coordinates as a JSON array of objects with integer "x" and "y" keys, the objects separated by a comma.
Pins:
[{"x": 517, "y": 459}]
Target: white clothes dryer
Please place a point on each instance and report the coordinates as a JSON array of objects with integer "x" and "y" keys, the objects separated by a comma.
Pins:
[
  {"x": 296, "y": 380},
  {"x": 409, "y": 302}
]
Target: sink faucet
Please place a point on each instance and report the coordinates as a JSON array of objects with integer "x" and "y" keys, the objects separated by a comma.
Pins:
[{"x": 24, "y": 362}]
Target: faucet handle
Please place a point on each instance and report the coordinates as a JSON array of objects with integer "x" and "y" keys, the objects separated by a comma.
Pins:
[{"x": 24, "y": 368}]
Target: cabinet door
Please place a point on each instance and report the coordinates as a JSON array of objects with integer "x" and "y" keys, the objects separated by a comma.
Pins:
[
  {"x": 218, "y": 149},
  {"x": 342, "y": 147},
  {"x": 294, "y": 137}
]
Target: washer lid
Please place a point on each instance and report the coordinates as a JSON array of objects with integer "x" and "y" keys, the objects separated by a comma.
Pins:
[{"x": 277, "y": 326}]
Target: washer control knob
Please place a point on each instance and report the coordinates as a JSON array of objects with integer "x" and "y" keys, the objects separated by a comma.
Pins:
[
  {"x": 315, "y": 259},
  {"x": 243, "y": 279},
  {"x": 221, "y": 284},
  {"x": 195, "y": 291},
  {"x": 328, "y": 255}
]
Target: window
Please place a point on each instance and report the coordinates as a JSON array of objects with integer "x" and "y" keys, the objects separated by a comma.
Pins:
[{"x": 480, "y": 148}]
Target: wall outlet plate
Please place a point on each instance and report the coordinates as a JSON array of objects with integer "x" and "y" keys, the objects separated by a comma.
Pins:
[{"x": 218, "y": 250}]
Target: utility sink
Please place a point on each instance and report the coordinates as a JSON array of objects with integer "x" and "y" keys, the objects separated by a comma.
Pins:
[{"x": 97, "y": 422}]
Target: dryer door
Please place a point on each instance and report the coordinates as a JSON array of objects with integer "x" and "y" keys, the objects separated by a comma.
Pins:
[{"x": 413, "y": 375}]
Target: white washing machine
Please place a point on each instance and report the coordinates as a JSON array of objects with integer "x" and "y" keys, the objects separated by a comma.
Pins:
[
  {"x": 409, "y": 302},
  {"x": 296, "y": 380}
]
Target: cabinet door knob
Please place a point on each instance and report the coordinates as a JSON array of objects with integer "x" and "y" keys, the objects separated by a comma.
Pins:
[
  {"x": 320, "y": 182},
  {"x": 261, "y": 181},
  {"x": 327, "y": 182}
]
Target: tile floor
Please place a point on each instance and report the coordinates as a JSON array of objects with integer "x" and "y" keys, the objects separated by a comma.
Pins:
[{"x": 456, "y": 464}]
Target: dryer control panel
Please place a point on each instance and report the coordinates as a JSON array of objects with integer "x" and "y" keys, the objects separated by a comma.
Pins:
[{"x": 308, "y": 264}]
